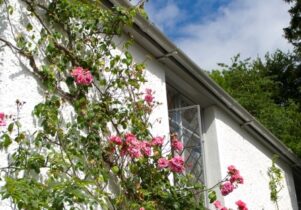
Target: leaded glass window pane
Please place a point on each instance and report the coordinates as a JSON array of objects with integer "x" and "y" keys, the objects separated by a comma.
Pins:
[{"x": 186, "y": 123}]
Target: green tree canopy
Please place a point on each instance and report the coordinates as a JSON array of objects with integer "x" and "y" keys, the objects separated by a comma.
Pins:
[{"x": 270, "y": 90}]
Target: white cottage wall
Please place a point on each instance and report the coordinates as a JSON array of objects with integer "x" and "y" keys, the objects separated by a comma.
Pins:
[{"x": 237, "y": 147}]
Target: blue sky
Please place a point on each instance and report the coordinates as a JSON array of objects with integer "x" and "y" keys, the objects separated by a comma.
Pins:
[
  {"x": 213, "y": 31},
  {"x": 170, "y": 15}
]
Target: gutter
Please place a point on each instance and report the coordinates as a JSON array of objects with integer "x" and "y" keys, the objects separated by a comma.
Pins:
[{"x": 167, "y": 50}]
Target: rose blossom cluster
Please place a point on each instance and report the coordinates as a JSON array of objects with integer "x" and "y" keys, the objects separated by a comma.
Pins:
[
  {"x": 130, "y": 145},
  {"x": 232, "y": 180},
  {"x": 175, "y": 164},
  {"x": 148, "y": 97},
  {"x": 231, "y": 183},
  {"x": 2, "y": 119},
  {"x": 82, "y": 76},
  {"x": 235, "y": 177}
]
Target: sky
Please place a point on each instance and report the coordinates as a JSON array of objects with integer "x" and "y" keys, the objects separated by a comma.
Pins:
[{"x": 213, "y": 31}]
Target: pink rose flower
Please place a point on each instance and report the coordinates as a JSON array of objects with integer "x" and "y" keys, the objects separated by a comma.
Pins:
[
  {"x": 163, "y": 163},
  {"x": 146, "y": 148},
  {"x": 177, "y": 145},
  {"x": 134, "y": 152},
  {"x": 82, "y": 76},
  {"x": 142, "y": 208},
  {"x": 157, "y": 141},
  {"x": 241, "y": 205},
  {"x": 115, "y": 140},
  {"x": 133, "y": 146},
  {"x": 232, "y": 170},
  {"x": 2, "y": 119},
  {"x": 237, "y": 178},
  {"x": 148, "y": 98},
  {"x": 131, "y": 139},
  {"x": 226, "y": 188},
  {"x": 77, "y": 72},
  {"x": 176, "y": 164}
]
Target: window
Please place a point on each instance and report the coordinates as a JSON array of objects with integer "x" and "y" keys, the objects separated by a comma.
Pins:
[{"x": 185, "y": 121}]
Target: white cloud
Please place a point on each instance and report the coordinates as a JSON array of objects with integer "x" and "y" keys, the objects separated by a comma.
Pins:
[
  {"x": 248, "y": 27},
  {"x": 165, "y": 17}
]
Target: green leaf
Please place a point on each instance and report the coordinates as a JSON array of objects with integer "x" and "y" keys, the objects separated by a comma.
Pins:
[
  {"x": 10, "y": 127},
  {"x": 6, "y": 141},
  {"x": 129, "y": 58},
  {"x": 29, "y": 27},
  {"x": 212, "y": 196},
  {"x": 10, "y": 9},
  {"x": 35, "y": 162},
  {"x": 20, "y": 137},
  {"x": 115, "y": 169}
]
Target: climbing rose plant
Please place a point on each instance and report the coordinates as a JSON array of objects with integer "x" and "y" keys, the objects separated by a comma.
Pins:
[{"x": 101, "y": 154}]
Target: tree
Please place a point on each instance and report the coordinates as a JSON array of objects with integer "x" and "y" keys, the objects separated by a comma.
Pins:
[
  {"x": 293, "y": 32},
  {"x": 268, "y": 90},
  {"x": 285, "y": 71}
]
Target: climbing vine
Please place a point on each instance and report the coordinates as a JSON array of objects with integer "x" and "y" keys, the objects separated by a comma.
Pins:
[
  {"x": 275, "y": 183},
  {"x": 102, "y": 153}
]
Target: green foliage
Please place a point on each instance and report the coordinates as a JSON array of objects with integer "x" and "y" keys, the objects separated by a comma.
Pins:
[
  {"x": 268, "y": 90},
  {"x": 275, "y": 184},
  {"x": 26, "y": 193},
  {"x": 284, "y": 70}
]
